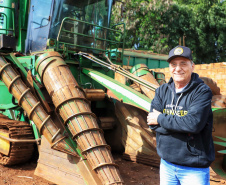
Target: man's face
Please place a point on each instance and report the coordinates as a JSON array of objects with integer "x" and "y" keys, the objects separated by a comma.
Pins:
[{"x": 181, "y": 69}]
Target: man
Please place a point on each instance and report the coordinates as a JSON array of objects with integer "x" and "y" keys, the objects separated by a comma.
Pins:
[{"x": 182, "y": 117}]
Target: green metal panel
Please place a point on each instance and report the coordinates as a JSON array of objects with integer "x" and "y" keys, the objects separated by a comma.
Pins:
[
  {"x": 140, "y": 60},
  {"x": 5, "y": 98},
  {"x": 26, "y": 62},
  {"x": 15, "y": 114},
  {"x": 124, "y": 93},
  {"x": 153, "y": 61},
  {"x": 12, "y": 17},
  {"x": 7, "y": 17},
  {"x": 22, "y": 25},
  {"x": 163, "y": 64}
]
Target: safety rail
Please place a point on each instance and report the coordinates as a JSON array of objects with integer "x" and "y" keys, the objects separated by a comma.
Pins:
[{"x": 60, "y": 45}]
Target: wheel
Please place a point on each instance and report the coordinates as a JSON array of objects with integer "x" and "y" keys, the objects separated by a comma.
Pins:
[
  {"x": 212, "y": 84},
  {"x": 218, "y": 101}
]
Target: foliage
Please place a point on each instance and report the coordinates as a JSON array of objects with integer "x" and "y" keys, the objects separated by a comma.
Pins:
[
  {"x": 143, "y": 23},
  {"x": 158, "y": 25}
]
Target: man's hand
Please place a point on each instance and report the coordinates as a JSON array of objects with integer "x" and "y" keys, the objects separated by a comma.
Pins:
[{"x": 152, "y": 117}]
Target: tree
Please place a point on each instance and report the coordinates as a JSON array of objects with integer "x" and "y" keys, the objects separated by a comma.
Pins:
[
  {"x": 208, "y": 26},
  {"x": 143, "y": 23},
  {"x": 158, "y": 26}
]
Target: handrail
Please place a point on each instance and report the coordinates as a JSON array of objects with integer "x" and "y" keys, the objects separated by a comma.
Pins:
[
  {"x": 67, "y": 19},
  {"x": 85, "y": 23},
  {"x": 20, "y": 140},
  {"x": 90, "y": 36},
  {"x": 123, "y": 42}
]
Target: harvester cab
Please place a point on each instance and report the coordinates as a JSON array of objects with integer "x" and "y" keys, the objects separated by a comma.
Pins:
[{"x": 69, "y": 26}]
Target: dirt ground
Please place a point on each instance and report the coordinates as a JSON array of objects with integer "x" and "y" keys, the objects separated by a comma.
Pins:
[{"x": 132, "y": 173}]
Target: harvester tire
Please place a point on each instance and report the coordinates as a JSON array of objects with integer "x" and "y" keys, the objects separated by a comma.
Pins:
[
  {"x": 218, "y": 101},
  {"x": 212, "y": 84}
]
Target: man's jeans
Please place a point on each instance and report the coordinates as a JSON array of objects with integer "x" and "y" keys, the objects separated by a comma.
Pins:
[{"x": 172, "y": 174}]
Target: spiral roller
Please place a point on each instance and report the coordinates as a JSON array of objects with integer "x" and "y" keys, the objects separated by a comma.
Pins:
[
  {"x": 33, "y": 108},
  {"x": 70, "y": 102}
]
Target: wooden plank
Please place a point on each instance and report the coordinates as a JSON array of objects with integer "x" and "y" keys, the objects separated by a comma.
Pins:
[
  {"x": 61, "y": 168},
  {"x": 139, "y": 142},
  {"x": 144, "y": 159}
]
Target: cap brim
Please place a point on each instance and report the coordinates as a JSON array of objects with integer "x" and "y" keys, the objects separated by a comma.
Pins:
[{"x": 174, "y": 56}]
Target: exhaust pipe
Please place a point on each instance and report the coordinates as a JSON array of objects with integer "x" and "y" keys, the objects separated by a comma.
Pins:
[
  {"x": 70, "y": 102},
  {"x": 33, "y": 108}
]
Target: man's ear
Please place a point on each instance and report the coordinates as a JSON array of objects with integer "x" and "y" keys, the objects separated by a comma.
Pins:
[{"x": 193, "y": 66}]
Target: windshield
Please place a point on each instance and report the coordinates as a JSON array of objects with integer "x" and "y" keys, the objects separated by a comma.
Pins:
[
  {"x": 92, "y": 11},
  {"x": 83, "y": 26},
  {"x": 38, "y": 25}
]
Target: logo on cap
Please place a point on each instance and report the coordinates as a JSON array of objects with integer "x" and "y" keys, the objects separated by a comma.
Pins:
[{"x": 178, "y": 51}]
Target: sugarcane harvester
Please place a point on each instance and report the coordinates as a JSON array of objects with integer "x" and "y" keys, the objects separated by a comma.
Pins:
[
  {"x": 49, "y": 77},
  {"x": 62, "y": 84}
]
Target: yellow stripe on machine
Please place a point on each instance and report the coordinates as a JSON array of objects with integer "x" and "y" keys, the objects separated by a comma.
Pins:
[{"x": 4, "y": 144}]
